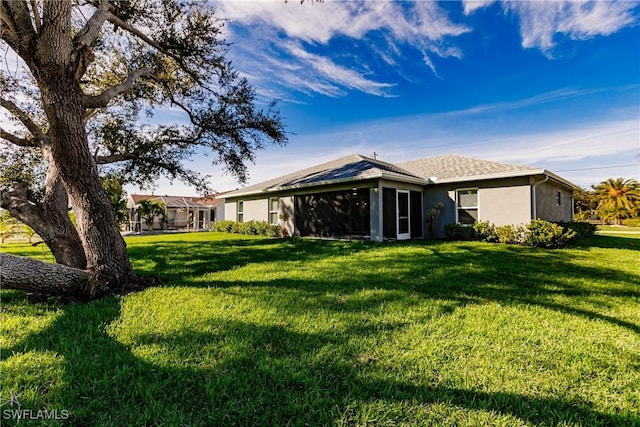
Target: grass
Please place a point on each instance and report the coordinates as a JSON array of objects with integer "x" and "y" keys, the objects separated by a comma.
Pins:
[
  {"x": 255, "y": 331},
  {"x": 617, "y": 229}
]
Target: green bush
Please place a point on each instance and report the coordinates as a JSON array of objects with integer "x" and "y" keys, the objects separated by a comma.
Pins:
[
  {"x": 485, "y": 232},
  {"x": 511, "y": 234},
  {"x": 545, "y": 234},
  {"x": 254, "y": 228},
  {"x": 582, "y": 229},
  {"x": 631, "y": 222},
  {"x": 455, "y": 231},
  {"x": 225, "y": 226}
]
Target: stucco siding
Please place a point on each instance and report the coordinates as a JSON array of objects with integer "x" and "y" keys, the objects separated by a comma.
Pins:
[
  {"x": 230, "y": 211},
  {"x": 505, "y": 205},
  {"x": 256, "y": 210},
  {"x": 500, "y": 201},
  {"x": 551, "y": 208},
  {"x": 286, "y": 217}
]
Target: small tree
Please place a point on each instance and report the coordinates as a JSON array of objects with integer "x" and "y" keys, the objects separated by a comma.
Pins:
[
  {"x": 149, "y": 210},
  {"x": 432, "y": 219}
]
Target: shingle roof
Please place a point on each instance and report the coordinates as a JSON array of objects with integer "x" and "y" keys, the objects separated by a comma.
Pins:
[
  {"x": 349, "y": 168},
  {"x": 438, "y": 169},
  {"x": 452, "y": 166}
]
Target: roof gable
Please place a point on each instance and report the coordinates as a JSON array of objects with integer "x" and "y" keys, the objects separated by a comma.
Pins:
[{"x": 349, "y": 168}]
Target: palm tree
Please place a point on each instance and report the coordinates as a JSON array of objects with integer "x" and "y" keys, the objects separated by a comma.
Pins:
[
  {"x": 149, "y": 210},
  {"x": 617, "y": 198}
]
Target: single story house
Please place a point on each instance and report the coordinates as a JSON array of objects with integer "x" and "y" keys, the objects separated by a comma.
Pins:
[
  {"x": 365, "y": 197},
  {"x": 180, "y": 212}
]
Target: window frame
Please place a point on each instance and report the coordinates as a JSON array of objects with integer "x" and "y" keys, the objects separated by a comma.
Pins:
[
  {"x": 240, "y": 211},
  {"x": 273, "y": 213},
  {"x": 466, "y": 208},
  {"x": 558, "y": 198}
]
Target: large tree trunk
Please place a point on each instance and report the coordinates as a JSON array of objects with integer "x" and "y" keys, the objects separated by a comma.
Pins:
[
  {"x": 43, "y": 278},
  {"x": 50, "y": 218},
  {"x": 104, "y": 247}
]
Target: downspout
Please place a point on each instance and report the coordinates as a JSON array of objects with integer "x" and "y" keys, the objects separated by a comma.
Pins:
[{"x": 533, "y": 196}]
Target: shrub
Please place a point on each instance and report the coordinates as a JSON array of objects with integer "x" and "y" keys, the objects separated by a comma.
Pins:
[
  {"x": 582, "y": 216},
  {"x": 254, "y": 228},
  {"x": 631, "y": 222},
  {"x": 545, "y": 234},
  {"x": 225, "y": 226},
  {"x": 485, "y": 231},
  {"x": 581, "y": 228},
  {"x": 455, "y": 231},
  {"x": 512, "y": 234}
]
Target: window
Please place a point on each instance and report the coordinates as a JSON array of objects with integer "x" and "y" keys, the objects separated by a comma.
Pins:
[
  {"x": 240, "y": 211},
  {"x": 273, "y": 210},
  {"x": 559, "y": 198},
  {"x": 467, "y": 206}
]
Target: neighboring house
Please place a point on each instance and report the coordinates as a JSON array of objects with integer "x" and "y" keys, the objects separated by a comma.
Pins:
[
  {"x": 181, "y": 213},
  {"x": 359, "y": 196}
]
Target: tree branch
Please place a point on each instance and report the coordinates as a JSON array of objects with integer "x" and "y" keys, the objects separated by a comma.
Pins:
[
  {"x": 22, "y": 142},
  {"x": 24, "y": 118},
  {"x": 102, "y": 100},
  {"x": 90, "y": 32},
  {"x": 36, "y": 15},
  {"x": 115, "y": 20},
  {"x": 8, "y": 30},
  {"x": 19, "y": 32},
  {"x": 41, "y": 277},
  {"x": 114, "y": 158}
]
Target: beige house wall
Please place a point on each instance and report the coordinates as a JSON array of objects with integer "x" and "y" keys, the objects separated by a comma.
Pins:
[
  {"x": 286, "y": 217},
  {"x": 505, "y": 205},
  {"x": 230, "y": 211},
  {"x": 547, "y": 206}
]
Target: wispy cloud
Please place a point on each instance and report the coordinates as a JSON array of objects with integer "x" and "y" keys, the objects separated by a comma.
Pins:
[
  {"x": 541, "y": 21},
  {"x": 294, "y": 45}
]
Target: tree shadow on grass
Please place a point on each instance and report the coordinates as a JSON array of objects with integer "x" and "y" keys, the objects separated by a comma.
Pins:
[
  {"x": 463, "y": 274},
  {"x": 178, "y": 258},
  {"x": 241, "y": 373},
  {"x": 610, "y": 242}
]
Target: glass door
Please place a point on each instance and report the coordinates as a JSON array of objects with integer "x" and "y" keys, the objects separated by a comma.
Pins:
[{"x": 404, "y": 231}]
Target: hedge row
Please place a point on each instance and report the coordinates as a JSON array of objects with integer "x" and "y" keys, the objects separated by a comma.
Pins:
[
  {"x": 538, "y": 233},
  {"x": 631, "y": 222},
  {"x": 256, "y": 228}
]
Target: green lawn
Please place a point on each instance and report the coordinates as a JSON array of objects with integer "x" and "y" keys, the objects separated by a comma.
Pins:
[
  {"x": 255, "y": 331},
  {"x": 618, "y": 229}
]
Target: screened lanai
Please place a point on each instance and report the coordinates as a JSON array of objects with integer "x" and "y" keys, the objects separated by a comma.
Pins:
[{"x": 180, "y": 213}]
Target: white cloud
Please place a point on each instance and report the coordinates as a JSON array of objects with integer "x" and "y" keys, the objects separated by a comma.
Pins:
[
  {"x": 540, "y": 21},
  {"x": 471, "y": 6},
  {"x": 289, "y": 43}
]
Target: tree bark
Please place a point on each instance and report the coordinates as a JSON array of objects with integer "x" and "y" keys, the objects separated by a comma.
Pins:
[
  {"x": 40, "y": 277},
  {"x": 50, "y": 218},
  {"x": 55, "y": 68}
]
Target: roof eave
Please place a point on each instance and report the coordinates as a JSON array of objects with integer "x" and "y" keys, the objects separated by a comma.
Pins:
[
  {"x": 366, "y": 177},
  {"x": 499, "y": 175}
]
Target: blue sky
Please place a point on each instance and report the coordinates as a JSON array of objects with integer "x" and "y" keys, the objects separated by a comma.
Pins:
[{"x": 551, "y": 84}]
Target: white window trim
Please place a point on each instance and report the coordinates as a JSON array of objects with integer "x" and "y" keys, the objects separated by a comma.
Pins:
[
  {"x": 238, "y": 211},
  {"x": 270, "y": 212},
  {"x": 477, "y": 190}
]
